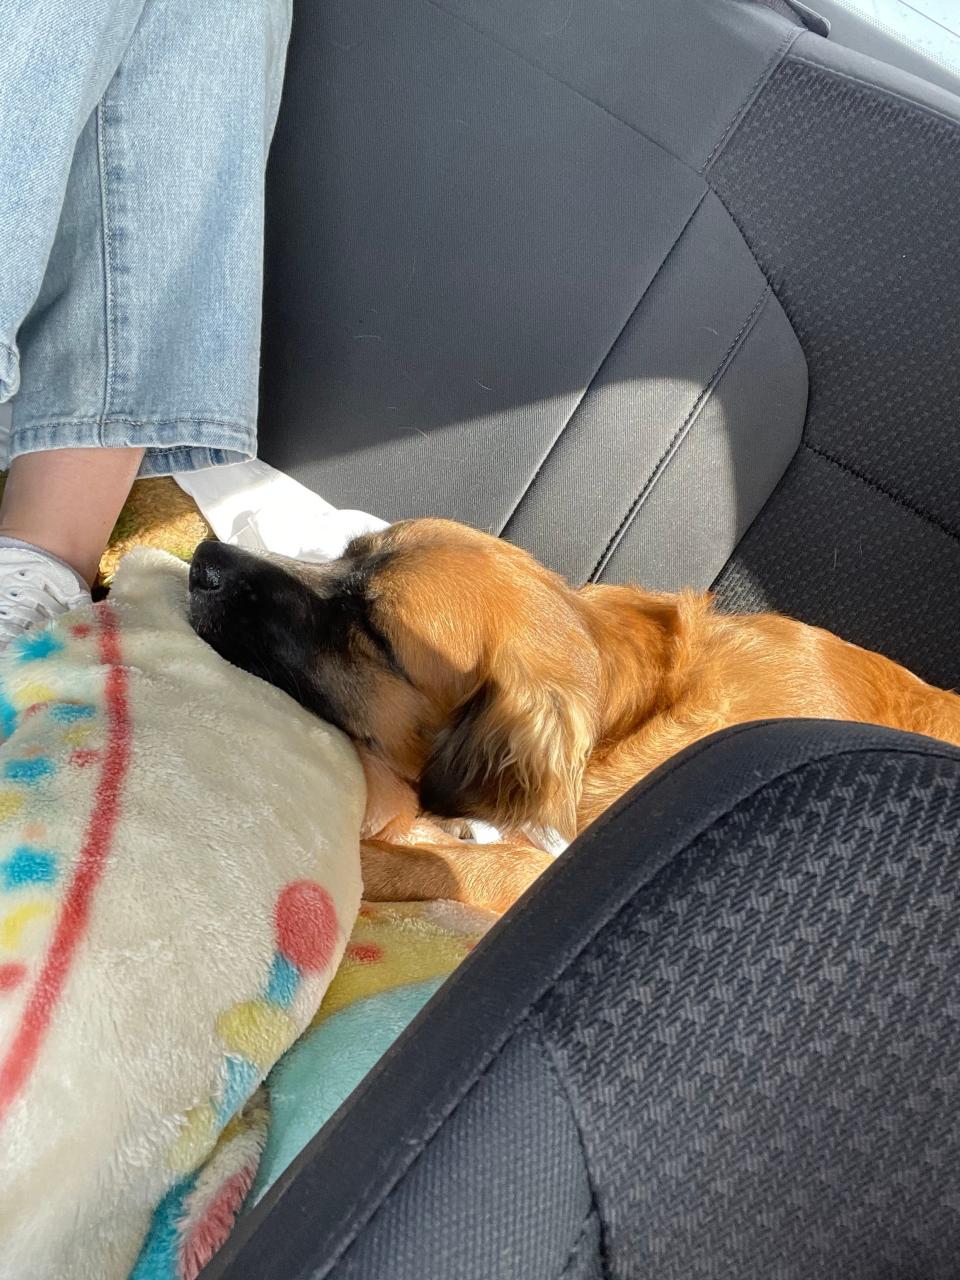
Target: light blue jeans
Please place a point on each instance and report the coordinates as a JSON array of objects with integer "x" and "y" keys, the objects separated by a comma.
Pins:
[{"x": 133, "y": 145}]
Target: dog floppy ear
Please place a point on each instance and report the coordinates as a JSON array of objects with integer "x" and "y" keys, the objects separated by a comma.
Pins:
[{"x": 514, "y": 756}]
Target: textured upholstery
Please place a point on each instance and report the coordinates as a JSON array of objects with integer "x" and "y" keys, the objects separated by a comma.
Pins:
[
  {"x": 763, "y": 1049},
  {"x": 721, "y": 1037},
  {"x": 846, "y": 192}
]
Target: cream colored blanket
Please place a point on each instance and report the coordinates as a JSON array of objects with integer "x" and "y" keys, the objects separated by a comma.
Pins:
[{"x": 179, "y": 876}]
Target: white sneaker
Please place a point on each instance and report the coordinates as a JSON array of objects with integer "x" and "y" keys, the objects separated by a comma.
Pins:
[{"x": 34, "y": 589}]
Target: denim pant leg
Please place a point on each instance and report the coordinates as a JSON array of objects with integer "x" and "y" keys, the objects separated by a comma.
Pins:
[
  {"x": 145, "y": 331},
  {"x": 58, "y": 57}
]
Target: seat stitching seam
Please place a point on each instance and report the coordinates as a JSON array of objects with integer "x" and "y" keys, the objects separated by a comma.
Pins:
[
  {"x": 679, "y": 435},
  {"x": 564, "y": 1095},
  {"x": 743, "y": 235},
  {"x": 581, "y": 1236},
  {"x": 592, "y": 1214},
  {"x": 597, "y": 829},
  {"x": 881, "y": 488},
  {"x": 778, "y": 55},
  {"x": 581, "y": 399}
]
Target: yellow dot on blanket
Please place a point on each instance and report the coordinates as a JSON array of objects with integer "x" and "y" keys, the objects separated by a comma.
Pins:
[
  {"x": 195, "y": 1140},
  {"x": 11, "y": 802},
  {"x": 33, "y": 693},
  {"x": 78, "y": 735},
  {"x": 13, "y": 925},
  {"x": 257, "y": 1030}
]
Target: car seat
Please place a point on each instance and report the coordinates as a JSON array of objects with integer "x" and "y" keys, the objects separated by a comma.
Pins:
[{"x": 667, "y": 291}]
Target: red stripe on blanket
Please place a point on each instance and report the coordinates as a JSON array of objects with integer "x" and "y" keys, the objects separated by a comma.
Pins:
[{"x": 75, "y": 912}]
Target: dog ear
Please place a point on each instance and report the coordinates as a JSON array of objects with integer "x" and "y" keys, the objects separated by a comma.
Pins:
[{"x": 514, "y": 756}]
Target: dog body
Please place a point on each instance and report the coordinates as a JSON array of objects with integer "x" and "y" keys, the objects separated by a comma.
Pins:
[
  {"x": 478, "y": 684},
  {"x": 712, "y": 671}
]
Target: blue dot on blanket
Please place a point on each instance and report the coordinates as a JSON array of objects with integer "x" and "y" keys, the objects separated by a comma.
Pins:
[
  {"x": 31, "y": 770},
  {"x": 27, "y": 865},
  {"x": 161, "y": 1249},
  {"x": 34, "y": 645},
  {"x": 8, "y": 715},
  {"x": 241, "y": 1080},
  {"x": 70, "y": 712},
  {"x": 282, "y": 983}
]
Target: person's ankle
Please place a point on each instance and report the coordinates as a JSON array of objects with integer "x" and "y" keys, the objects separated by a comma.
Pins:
[
  {"x": 25, "y": 544},
  {"x": 83, "y": 567}
]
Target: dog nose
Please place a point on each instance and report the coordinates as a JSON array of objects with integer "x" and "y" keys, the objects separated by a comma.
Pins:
[{"x": 208, "y": 567}]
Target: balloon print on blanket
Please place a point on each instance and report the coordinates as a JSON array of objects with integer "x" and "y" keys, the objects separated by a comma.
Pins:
[{"x": 256, "y": 1032}]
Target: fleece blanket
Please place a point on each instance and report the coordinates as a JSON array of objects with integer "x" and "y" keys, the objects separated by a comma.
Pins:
[
  {"x": 169, "y": 922},
  {"x": 398, "y": 955}
]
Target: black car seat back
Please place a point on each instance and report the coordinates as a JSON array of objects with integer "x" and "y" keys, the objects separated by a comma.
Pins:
[
  {"x": 720, "y": 1038},
  {"x": 524, "y": 307},
  {"x": 571, "y": 272}
]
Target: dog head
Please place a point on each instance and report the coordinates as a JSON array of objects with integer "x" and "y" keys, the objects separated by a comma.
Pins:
[{"x": 454, "y": 657}]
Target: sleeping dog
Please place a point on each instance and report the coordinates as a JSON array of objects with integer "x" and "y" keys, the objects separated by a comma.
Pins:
[{"x": 478, "y": 684}]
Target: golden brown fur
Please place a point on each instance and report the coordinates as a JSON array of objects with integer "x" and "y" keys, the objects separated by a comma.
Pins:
[
  {"x": 480, "y": 685},
  {"x": 533, "y": 705}
]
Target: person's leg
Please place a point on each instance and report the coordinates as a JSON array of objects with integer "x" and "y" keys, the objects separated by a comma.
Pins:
[
  {"x": 58, "y": 58},
  {"x": 146, "y": 331},
  {"x": 141, "y": 349},
  {"x": 66, "y": 502}
]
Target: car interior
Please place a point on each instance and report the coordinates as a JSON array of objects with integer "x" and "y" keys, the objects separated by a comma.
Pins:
[{"x": 664, "y": 291}]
